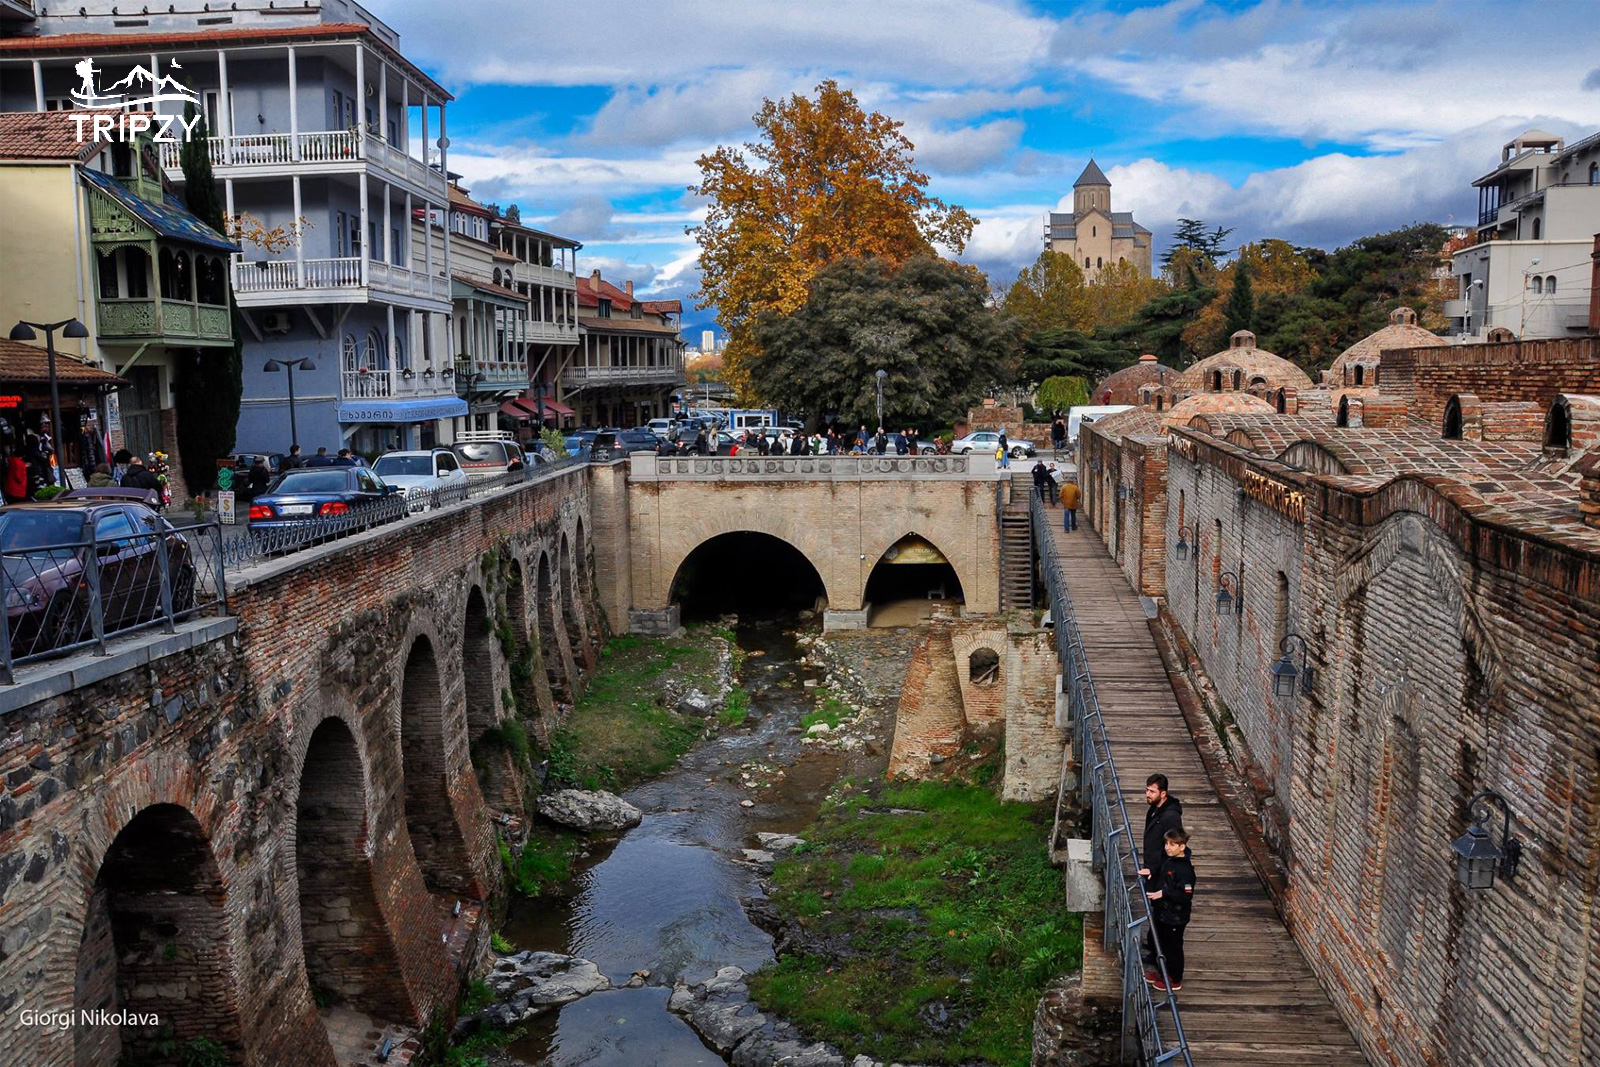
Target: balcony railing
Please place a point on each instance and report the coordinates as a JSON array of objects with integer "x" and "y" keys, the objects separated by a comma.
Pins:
[
  {"x": 314, "y": 148},
  {"x": 495, "y": 375},
  {"x": 343, "y": 272},
  {"x": 365, "y": 386},
  {"x": 131, "y": 318},
  {"x": 534, "y": 330},
  {"x": 537, "y": 274},
  {"x": 582, "y": 374}
]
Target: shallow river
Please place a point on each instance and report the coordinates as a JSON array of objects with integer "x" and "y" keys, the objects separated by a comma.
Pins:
[{"x": 665, "y": 896}]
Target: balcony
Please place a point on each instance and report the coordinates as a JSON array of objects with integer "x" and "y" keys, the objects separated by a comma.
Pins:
[
  {"x": 581, "y": 375},
  {"x": 534, "y": 274},
  {"x": 490, "y": 376},
  {"x": 135, "y": 319},
  {"x": 269, "y": 282},
  {"x": 545, "y": 332},
  {"x": 268, "y": 155},
  {"x": 382, "y": 384}
]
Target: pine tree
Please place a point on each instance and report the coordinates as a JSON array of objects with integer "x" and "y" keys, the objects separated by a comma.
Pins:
[{"x": 1241, "y": 310}]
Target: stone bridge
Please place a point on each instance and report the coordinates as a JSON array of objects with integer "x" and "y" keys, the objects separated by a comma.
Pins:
[
  {"x": 282, "y": 808},
  {"x": 843, "y": 513}
]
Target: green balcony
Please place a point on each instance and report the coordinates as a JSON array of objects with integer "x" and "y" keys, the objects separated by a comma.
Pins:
[{"x": 138, "y": 320}]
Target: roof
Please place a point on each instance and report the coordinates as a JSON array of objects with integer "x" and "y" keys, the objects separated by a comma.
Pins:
[
  {"x": 77, "y": 44},
  {"x": 1092, "y": 175},
  {"x": 44, "y": 135},
  {"x": 1243, "y": 355},
  {"x": 1402, "y": 332},
  {"x": 460, "y": 199},
  {"x": 22, "y": 362},
  {"x": 489, "y": 287},
  {"x": 1180, "y": 413},
  {"x": 1123, "y": 385},
  {"x": 170, "y": 218},
  {"x": 592, "y": 289}
]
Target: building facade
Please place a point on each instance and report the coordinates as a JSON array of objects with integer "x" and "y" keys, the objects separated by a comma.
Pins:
[
  {"x": 325, "y": 140},
  {"x": 1094, "y": 235},
  {"x": 630, "y": 359},
  {"x": 1530, "y": 270}
]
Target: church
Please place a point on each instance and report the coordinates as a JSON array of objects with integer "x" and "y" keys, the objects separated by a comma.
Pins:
[{"x": 1094, "y": 235}]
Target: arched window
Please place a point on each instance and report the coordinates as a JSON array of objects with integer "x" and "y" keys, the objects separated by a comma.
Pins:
[
  {"x": 983, "y": 667},
  {"x": 1159, "y": 399},
  {"x": 1558, "y": 427},
  {"x": 1594, "y": 174},
  {"x": 1216, "y": 381},
  {"x": 350, "y": 353},
  {"x": 1094, "y": 231},
  {"x": 1344, "y": 412},
  {"x": 1238, "y": 377},
  {"x": 1538, "y": 228},
  {"x": 1550, "y": 284},
  {"x": 108, "y": 275},
  {"x": 1359, "y": 373},
  {"x": 1098, "y": 262},
  {"x": 377, "y": 353},
  {"x": 1283, "y": 401},
  {"x": 1085, "y": 262},
  {"x": 1452, "y": 419}
]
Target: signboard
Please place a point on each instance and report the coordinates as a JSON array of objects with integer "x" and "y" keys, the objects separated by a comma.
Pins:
[
  {"x": 75, "y": 479},
  {"x": 225, "y": 508}
]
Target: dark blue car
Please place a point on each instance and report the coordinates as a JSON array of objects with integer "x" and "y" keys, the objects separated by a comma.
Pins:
[{"x": 320, "y": 493}]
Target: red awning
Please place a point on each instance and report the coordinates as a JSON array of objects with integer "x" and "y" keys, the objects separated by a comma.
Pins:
[
  {"x": 516, "y": 409},
  {"x": 525, "y": 410}
]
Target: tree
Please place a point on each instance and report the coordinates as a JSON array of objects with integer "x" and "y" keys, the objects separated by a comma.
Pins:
[
  {"x": 1073, "y": 353},
  {"x": 209, "y": 384},
  {"x": 1191, "y": 235},
  {"x": 1117, "y": 295},
  {"x": 826, "y": 181},
  {"x": 1240, "y": 314},
  {"x": 1049, "y": 295},
  {"x": 1058, "y": 394},
  {"x": 927, "y": 322},
  {"x": 1162, "y": 323}
]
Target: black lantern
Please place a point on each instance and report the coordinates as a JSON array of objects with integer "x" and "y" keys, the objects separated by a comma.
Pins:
[
  {"x": 1284, "y": 672},
  {"x": 1478, "y": 859},
  {"x": 1184, "y": 533},
  {"x": 1227, "y": 590}
]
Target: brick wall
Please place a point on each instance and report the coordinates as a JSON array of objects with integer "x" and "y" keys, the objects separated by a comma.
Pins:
[{"x": 1529, "y": 371}]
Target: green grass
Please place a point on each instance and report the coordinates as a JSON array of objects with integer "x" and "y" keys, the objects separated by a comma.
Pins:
[
  {"x": 737, "y": 709},
  {"x": 955, "y": 908},
  {"x": 500, "y": 945},
  {"x": 832, "y": 711},
  {"x": 618, "y": 734},
  {"x": 545, "y": 862}
]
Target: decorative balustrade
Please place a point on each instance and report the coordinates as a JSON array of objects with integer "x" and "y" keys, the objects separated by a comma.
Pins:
[
  {"x": 581, "y": 374},
  {"x": 312, "y": 147},
  {"x": 365, "y": 386},
  {"x": 534, "y": 330},
  {"x": 538, "y": 274},
  {"x": 139, "y": 317}
]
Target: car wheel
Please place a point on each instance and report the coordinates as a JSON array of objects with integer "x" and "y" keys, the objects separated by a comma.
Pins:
[
  {"x": 65, "y": 619},
  {"x": 964, "y": 451},
  {"x": 1018, "y": 453}
]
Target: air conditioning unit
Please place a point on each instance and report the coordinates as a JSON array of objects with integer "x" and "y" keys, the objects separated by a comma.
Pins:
[{"x": 275, "y": 322}]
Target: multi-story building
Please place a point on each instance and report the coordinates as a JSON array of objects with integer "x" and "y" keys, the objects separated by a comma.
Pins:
[
  {"x": 87, "y": 232},
  {"x": 1529, "y": 270},
  {"x": 543, "y": 269},
  {"x": 630, "y": 359},
  {"x": 326, "y": 140},
  {"x": 1094, "y": 235}
]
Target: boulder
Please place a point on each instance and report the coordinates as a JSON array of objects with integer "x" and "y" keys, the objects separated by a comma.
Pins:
[
  {"x": 589, "y": 810},
  {"x": 759, "y": 858},
  {"x": 529, "y": 983},
  {"x": 779, "y": 842},
  {"x": 697, "y": 703}
]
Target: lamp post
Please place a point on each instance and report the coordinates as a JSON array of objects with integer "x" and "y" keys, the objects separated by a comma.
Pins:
[
  {"x": 1478, "y": 859},
  {"x": 881, "y": 375},
  {"x": 290, "y": 365},
  {"x": 1284, "y": 672},
  {"x": 23, "y": 331},
  {"x": 1227, "y": 590}
]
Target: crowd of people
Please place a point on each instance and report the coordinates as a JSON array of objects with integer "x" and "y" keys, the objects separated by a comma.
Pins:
[{"x": 825, "y": 442}]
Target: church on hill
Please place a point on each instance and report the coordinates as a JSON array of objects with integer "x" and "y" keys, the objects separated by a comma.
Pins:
[{"x": 1094, "y": 235}]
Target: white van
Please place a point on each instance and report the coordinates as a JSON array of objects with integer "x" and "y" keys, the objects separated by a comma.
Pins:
[
  {"x": 1089, "y": 413},
  {"x": 662, "y": 428},
  {"x": 482, "y": 453}
]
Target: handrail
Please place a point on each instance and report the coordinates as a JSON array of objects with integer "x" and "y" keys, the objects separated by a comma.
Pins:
[{"x": 1127, "y": 907}]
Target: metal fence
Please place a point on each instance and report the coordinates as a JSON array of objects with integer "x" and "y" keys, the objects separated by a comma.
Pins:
[
  {"x": 1152, "y": 1031},
  {"x": 67, "y": 596}
]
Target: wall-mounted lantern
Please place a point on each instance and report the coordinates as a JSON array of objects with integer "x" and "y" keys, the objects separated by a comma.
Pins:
[
  {"x": 1184, "y": 533},
  {"x": 1227, "y": 591},
  {"x": 1478, "y": 859},
  {"x": 1122, "y": 491},
  {"x": 1284, "y": 672}
]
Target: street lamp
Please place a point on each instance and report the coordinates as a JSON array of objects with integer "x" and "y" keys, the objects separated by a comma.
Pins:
[
  {"x": 23, "y": 331},
  {"x": 1284, "y": 672},
  {"x": 1184, "y": 533},
  {"x": 1225, "y": 596},
  {"x": 1477, "y": 857},
  {"x": 882, "y": 374},
  {"x": 290, "y": 365}
]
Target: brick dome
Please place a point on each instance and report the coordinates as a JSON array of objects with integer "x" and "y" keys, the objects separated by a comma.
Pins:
[
  {"x": 1123, "y": 385},
  {"x": 1239, "y": 367},
  {"x": 1221, "y": 403},
  {"x": 1402, "y": 332}
]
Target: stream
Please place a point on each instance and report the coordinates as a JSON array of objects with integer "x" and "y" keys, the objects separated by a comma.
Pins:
[{"x": 665, "y": 896}]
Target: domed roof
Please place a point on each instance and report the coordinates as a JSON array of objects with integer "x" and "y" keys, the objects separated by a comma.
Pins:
[
  {"x": 1252, "y": 363},
  {"x": 1123, "y": 385},
  {"x": 1224, "y": 403},
  {"x": 1402, "y": 332}
]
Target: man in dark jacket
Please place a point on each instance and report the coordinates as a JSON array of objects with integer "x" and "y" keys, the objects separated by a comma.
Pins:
[
  {"x": 1171, "y": 902},
  {"x": 1164, "y": 813},
  {"x": 140, "y": 477},
  {"x": 321, "y": 459},
  {"x": 292, "y": 460},
  {"x": 797, "y": 444}
]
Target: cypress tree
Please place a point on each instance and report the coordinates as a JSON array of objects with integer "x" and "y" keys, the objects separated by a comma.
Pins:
[{"x": 1240, "y": 313}]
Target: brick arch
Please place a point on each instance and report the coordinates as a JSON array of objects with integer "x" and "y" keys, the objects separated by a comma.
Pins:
[
  {"x": 156, "y": 921},
  {"x": 552, "y": 642},
  {"x": 571, "y": 606},
  {"x": 529, "y": 685},
  {"x": 814, "y": 544},
  {"x": 480, "y": 673},
  {"x": 432, "y": 821},
  {"x": 874, "y": 551}
]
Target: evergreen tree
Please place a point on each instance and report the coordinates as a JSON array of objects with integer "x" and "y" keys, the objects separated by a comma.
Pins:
[
  {"x": 1240, "y": 313},
  {"x": 209, "y": 383}
]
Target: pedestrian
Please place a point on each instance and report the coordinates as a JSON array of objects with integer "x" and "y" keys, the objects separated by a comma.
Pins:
[
  {"x": 344, "y": 459},
  {"x": 833, "y": 441},
  {"x": 1058, "y": 435},
  {"x": 16, "y": 478},
  {"x": 1165, "y": 812},
  {"x": 880, "y": 442},
  {"x": 259, "y": 478},
  {"x": 101, "y": 476},
  {"x": 119, "y": 464},
  {"x": 700, "y": 444},
  {"x": 901, "y": 445},
  {"x": 1070, "y": 497},
  {"x": 1003, "y": 452},
  {"x": 321, "y": 459},
  {"x": 1172, "y": 900},
  {"x": 292, "y": 460},
  {"x": 1040, "y": 477},
  {"x": 861, "y": 438},
  {"x": 1051, "y": 485},
  {"x": 797, "y": 445},
  {"x": 140, "y": 477}
]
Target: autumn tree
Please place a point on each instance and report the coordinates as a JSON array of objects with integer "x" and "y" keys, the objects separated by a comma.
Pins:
[
  {"x": 1274, "y": 268},
  {"x": 1049, "y": 295},
  {"x": 825, "y": 181},
  {"x": 927, "y": 323},
  {"x": 1118, "y": 293},
  {"x": 1240, "y": 312}
]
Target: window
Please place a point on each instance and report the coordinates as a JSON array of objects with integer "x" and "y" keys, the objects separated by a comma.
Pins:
[
  {"x": 176, "y": 275},
  {"x": 1094, "y": 231},
  {"x": 1085, "y": 262},
  {"x": 338, "y": 109},
  {"x": 1216, "y": 381},
  {"x": 1538, "y": 227},
  {"x": 375, "y": 233},
  {"x": 1594, "y": 174},
  {"x": 1360, "y": 372},
  {"x": 1466, "y": 286},
  {"x": 1158, "y": 401},
  {"x": 341, "y": 233},
  {"x": 396, "y": 256},
  {"x": 1452, "y": 419},
  {"x": 1238, "y": 377},
  {"x": 1098, "y": 262},
  {"x": 604, "y": 310},
  {"x": 447, "y": 462},
  {"x": 1550, "y": 284},
  {"x": 1558, "y": 427},
  {"x": 394, "y": 132},
  {"x": 983, "y": 667},
  {"x": 66, "y": 103},
  {"x": 114, "y": 526},
  {"x": 108, "y": 277}
]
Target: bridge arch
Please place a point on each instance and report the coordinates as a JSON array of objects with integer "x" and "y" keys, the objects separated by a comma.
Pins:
[
  {"x": 571, "y": 606},
  {"x": 744, "y": 571},
  {"x": 156, "y": 919},
  {"x": 940, "y": 576},
  {"x": 549, "y": 609},
  {"x": 435, "y": 832}
]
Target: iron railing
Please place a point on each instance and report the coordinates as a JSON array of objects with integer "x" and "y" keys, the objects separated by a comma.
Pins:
[
  {"x": 1149, "y": 1022},
  {"x": 59, "y": 598}
]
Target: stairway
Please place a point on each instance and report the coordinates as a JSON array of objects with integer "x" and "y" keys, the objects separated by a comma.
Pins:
[{"x": 1016, "y": 554}]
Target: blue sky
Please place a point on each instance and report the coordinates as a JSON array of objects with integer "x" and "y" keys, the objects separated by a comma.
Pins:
[{"x": 1315, "y": 122}]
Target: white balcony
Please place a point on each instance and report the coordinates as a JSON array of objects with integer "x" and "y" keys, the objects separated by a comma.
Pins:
[
  {"x": 546, "y": 332},
  {"x": 269, "y": 282},
  {"x": 534, "y": 274},
  {"x": 580, "y": 374},
  {"x": 269, "y": 155}
]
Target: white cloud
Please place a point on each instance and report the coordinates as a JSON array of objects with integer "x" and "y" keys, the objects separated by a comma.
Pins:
[
  {"x": 965, "y": 149},
  {"x": 538, "y": 173},
  {"x": 710, "y": 107}
]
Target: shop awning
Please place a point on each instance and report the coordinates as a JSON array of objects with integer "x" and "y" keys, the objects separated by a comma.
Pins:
[
  {"x": 410, "y": 409},
  {"x": 523, "y": 408},
  {"x": 517, "y": 409},
  {"x": 23, "y": 363}
]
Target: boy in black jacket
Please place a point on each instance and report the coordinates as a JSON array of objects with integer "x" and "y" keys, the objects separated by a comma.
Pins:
[{"x": 1172, "y": 899}]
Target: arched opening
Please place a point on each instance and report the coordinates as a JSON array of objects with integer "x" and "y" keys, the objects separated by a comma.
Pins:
[
  {"x": 1558, "y": 427},
  {"x": 1216, "y": 381},
  {"x": 530, "y": 691},
  {"x": 1357, "y": 373},
  {"x": 155, "y": 940},
  {"x": 1538, "y": 228},
  {"x": 1283, "y": 402},
  {"x": 570, "y": 608},
  {"x": 477, "y": 668},
  {"x": 430, "y": 818},
  {"x": 549, "y": 644},
  {"x": 1238, "y": 377},
  {"x": 1159, "y": 401},
  {"x": 580, "y": 561},
  {"x": 1452, "y": 419},
  {"x": 349, "y": 952},
  {"x": 983, "y": 667},
  {"x": 1343, "y": 418},
  {"x": 910, "y": 580},
  {"x": 751, "y": 574}
]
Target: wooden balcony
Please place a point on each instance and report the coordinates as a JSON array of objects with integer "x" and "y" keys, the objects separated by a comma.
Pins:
[{"x": 131, "y": 319}]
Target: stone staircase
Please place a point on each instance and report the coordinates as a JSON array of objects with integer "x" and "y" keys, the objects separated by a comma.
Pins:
[{"x": 1016, "y": 551}]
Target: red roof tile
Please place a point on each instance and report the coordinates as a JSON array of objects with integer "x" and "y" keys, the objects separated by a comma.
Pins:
[
  {"x": 43, "y": 135},
  {"x": 20, "y": 362}
]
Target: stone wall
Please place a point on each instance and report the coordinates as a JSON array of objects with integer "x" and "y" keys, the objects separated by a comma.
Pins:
[
  {"x": 1008, "y": 420},
  {"x": 215, "y": 822},
  {"x": 1527, "y": 371}
]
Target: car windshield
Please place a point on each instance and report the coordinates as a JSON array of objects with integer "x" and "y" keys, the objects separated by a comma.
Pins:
[
  {"x": 23, "y": 530},
  {"x": 492, "y": 452},
  {"x": 391, "y": 466},
  {"x": 312, "y": 481}
]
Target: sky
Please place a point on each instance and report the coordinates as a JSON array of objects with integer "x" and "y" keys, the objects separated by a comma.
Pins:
[{"x": 1312, "y": 122}]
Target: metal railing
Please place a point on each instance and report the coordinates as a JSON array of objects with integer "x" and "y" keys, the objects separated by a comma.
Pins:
[
  {"x": 1152, "y": 1024},
  {"x": 59, "y": 598}
]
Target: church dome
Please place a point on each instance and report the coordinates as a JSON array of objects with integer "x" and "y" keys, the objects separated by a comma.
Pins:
[
  {"x": 1402, "y": 332},
  {"x": 1242, "y": 368}
]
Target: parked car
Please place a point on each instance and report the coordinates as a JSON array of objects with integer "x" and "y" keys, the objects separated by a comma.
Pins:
[
  {"x": 639, "y": 440},
  {"x": 423, "y": 470},
  {"x": 316, "y": 493},
  {"x": 46, "y": 547},
  {"x": 987, "y": 442},
  {"x": 484, "y": 453},
  {"x": 660, "y": 427},
  {"x": 243, "y": 461}
]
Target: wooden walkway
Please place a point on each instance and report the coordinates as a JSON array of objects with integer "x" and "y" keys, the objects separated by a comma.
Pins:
[{"x": 1248, "y": 997}]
